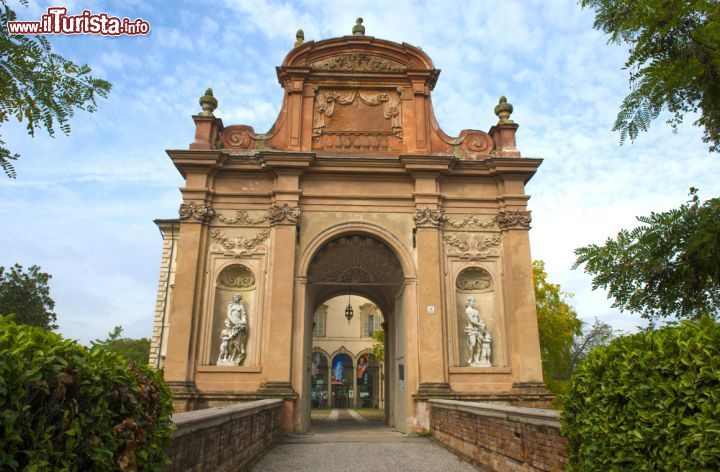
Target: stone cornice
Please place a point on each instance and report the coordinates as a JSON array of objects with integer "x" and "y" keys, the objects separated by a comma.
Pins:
[
  {"x": 287, "y": 160},
  {"x": 186, "y": 160},
  {"x": 428, "y": 163}
]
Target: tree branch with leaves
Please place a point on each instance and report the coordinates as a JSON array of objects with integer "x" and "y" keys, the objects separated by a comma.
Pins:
[
  {"x": 39, "y": 87},
  {"x": 668, "y": 266},
  {"x": 674, "y": 61}
]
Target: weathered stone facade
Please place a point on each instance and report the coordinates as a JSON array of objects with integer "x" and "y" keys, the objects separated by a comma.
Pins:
[{"x": 355, "y": 187}]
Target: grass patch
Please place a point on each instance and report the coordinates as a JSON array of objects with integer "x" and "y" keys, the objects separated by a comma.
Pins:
[
  {"x": 371, "y": 414},
  {"x": 319, "y": 414}
]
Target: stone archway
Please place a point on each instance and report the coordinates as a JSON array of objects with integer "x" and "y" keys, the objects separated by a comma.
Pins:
[{"x": 366, "y": 266}]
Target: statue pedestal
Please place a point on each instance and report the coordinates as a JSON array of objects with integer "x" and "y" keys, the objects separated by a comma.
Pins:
[{"x": 227, "y": 362}]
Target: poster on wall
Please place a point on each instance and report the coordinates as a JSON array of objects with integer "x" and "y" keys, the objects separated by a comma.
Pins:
[
  {"x": 337, "y": 370},
  {"x": 362, "y": 373}
]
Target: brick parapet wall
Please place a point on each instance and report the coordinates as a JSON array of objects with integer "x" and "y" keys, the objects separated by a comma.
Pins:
[
  {"x": 226, "y": 438},
  {"x": 498, "y": 437}
]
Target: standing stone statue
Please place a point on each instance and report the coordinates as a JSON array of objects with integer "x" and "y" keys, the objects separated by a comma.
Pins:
[
  {"x": 234, "y": 337},
  {"x": 485, "y": 351},
  {"x": 476, "y": 331}
]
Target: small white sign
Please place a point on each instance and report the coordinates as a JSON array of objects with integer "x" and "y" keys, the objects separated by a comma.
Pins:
[{"x": 431, "y": 309}]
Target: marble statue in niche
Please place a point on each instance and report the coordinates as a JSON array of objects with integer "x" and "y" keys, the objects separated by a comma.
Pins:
[
  {"x": 478, "y": 337},
  {"x": 233, "y": 338}
]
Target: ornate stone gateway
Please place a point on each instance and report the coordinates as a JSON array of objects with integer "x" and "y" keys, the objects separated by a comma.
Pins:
[{"x": 355, "y": 188}]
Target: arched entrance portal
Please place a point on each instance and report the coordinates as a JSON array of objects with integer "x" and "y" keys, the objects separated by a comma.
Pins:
[{"x": 365, "y": 266}]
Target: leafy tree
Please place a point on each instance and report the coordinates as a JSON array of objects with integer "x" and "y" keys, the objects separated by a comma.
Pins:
[
  {"x": 668, "y": 266},
  {"x": 674, "y": 61},
  {"x": 378, "y": 348},
  {"x": 27, "y": 296},
  {"x": 558, "y": 325},
  {"x": 596, "y": 335},
  {"x": 40, "y": 86},
  {"x": 137, "y": 350}
]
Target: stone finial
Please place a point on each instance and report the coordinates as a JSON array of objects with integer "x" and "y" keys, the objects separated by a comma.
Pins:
[
  {"x": 358, "y": 29},
  {"x": 503, "y": 110},
  {"x": 300, "y": 37},
  {"x": 208, "y": 103}
]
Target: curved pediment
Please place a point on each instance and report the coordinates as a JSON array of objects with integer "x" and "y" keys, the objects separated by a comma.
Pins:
[
  {"x": 358, "y": 54},
  {"x": 363, "y": 96}
]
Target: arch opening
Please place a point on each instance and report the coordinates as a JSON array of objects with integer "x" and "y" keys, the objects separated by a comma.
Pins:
[{"x": 361, "y": 273}]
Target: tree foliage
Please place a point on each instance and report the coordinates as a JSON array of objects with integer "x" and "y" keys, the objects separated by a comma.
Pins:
[
  {"x": 65, "y": 407},
  {"x": 378, "y": 349},
  {"x": 39, "y": 87},
  {"x": 674, "y": 61},
  {"x": 647, "y": 402},
  {"x": 558, "y": 325},
  {"x": 136, "y": 350},
  {"x": 592, "y": 336},
  {"x": 26, "y": 295},
  {"x": 667, "y": 266}
]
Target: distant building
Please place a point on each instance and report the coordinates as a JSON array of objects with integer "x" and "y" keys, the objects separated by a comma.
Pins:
[{"x": 348, "y": 345}]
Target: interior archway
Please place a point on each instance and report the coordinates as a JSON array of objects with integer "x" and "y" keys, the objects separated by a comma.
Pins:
[{"x": 362, "y": 268}]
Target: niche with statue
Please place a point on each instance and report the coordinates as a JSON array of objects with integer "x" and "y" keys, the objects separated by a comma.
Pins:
[
  {"x": 233, "y": 316},
  {"x": 476, "y": 320}
]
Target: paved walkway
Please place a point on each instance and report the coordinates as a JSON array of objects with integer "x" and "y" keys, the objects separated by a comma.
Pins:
[{"x": 349, "y": 443}]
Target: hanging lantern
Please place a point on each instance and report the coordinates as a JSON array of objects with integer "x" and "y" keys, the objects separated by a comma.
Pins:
[{"x": 349, "y": 310}]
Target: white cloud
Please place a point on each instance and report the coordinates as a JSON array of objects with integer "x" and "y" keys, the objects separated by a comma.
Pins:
[{"x": 82, "y": 206}]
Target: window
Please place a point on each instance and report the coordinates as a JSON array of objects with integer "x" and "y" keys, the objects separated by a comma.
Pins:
[
  {"x": 319, "y": 325},
  {"x": 371, "y": 322}
]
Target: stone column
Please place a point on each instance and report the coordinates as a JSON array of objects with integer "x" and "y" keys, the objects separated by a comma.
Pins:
[
  {"x": 432, "y": 358},
  {"x": 185, "y": 307},
  {"x": 429, "y": 219},
  {"x": 520, "y": 300},
  {"x": 355, "y": 386},
  {"x": 284, "y": 215}
]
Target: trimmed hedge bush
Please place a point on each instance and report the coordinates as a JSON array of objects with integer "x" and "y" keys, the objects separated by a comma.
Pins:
[
  {"x": 66, "y": 407},
  {"x": 647, "y": 402}
]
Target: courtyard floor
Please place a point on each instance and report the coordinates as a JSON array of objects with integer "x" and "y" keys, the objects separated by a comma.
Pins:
[{"x": 345, "y": 441}]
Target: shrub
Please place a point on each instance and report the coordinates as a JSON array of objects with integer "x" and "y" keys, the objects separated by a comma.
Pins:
[
  {"x": 66, "y": 407},
  {"x": 649, "y": 401}
]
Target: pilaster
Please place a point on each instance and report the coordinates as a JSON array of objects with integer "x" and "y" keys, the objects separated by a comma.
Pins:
[
  {"x": 186, "y": 300},
  {"x": 520, "y": 296}
]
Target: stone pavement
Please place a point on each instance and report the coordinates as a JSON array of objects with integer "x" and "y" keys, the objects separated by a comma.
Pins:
[{"x": 347, "y": 442}]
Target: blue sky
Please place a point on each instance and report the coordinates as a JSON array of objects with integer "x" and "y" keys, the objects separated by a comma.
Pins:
[{"x": 82, "y": 205}]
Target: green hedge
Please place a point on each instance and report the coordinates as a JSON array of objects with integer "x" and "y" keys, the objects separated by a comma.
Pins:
[
  {"x": 648, "y": 402},
  {"x": 66, "y": 407}
]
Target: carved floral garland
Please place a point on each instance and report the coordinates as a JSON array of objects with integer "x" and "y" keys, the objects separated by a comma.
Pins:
[
  {"x": 239, "y": 243},
  {"x": 474, "y": 249},
  {"x": 241, "y": 218}
]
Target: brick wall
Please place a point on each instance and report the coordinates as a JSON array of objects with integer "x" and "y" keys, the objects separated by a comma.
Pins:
[
  {"x": 227, "y": 438},
  {"x": 498, "y": 437}
]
